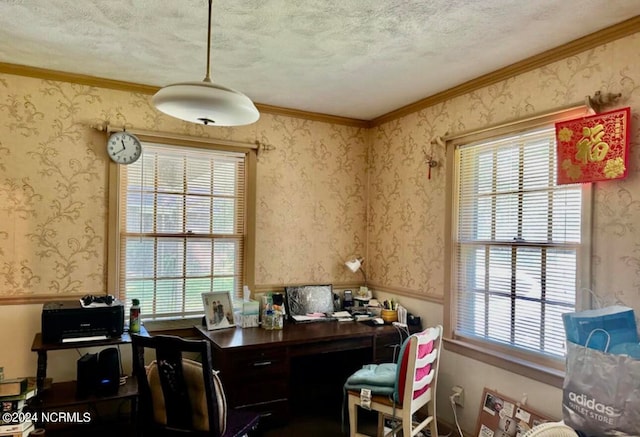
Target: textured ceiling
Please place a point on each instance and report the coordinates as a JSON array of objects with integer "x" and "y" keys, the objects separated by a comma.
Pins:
[{"x": 352, "y": 58}]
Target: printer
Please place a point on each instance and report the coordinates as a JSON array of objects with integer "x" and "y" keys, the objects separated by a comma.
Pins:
[{"x": 70, "y": 320}]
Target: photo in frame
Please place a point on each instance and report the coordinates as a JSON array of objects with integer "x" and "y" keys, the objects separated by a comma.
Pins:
[{"x": 218, "y": 309}]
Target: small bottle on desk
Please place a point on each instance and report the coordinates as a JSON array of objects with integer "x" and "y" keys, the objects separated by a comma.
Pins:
[
  {"x": 278, "y": 319},
  {"x": 134, "y": 317},
  {"x": 267, "y": 322}
]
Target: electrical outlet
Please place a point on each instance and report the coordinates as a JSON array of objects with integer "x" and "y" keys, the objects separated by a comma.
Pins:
[{"x": 459, "y": 391}]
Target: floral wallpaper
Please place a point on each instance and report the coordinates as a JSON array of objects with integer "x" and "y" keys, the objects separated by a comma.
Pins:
[
  {"x": 325, "y": 192},
  {"x": 311, "y": 189},
  {"x": 311, "y": 195},
  {"x": 406, "y": 208},
  {"x": 52, "y": 195}
]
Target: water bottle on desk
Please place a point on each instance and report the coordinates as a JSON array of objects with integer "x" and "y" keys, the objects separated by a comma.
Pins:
[
  {"x": 134, "y": 317},
  {"x": 278, "y": 311}
]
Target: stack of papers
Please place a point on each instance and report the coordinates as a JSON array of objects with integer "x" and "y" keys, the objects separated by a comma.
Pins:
[
  {"x": 309, "y": 317},
  {"x": 342, "y": 316}
]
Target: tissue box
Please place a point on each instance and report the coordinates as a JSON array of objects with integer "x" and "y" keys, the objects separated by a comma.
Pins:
[{"x": 250, "y": 315}]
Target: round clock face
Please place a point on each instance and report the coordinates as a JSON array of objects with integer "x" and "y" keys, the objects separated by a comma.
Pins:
[{"x": 124, "y": 148}]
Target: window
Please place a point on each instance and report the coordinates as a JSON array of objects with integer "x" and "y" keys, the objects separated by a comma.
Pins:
[
  {"x": 181, "y": 228},
  {"x": 519, "y": 251}
]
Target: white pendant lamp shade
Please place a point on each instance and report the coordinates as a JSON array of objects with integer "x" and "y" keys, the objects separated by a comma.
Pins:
[{"x": 206, "y": 103}]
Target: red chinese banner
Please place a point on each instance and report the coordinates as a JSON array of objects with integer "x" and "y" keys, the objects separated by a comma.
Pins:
[{"x": 594, "y": 148}]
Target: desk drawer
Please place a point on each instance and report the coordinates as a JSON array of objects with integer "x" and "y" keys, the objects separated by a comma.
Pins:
[
  {"x": 271, "y": 413},
  {"x": 243, "y": 393},
  {"x": 259, "y": 365},
  {"x": 347, "y": 344}
]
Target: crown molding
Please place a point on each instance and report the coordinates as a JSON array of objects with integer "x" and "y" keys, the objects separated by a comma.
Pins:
[
  {"x": 83, "y": 79},
  {"x": 612, "y": 33},
  {"x": 315, "y": 116}
]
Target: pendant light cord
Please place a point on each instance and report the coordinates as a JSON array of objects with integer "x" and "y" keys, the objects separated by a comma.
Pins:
[{"x": 207, "y": 78}]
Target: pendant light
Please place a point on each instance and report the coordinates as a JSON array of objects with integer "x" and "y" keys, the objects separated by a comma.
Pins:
[{"x": 206, "y": 102}]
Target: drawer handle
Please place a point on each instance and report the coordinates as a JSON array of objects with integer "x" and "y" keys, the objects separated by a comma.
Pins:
[
  {"x": 264, "y": 415},
  {"x": 262, "y": 363}
]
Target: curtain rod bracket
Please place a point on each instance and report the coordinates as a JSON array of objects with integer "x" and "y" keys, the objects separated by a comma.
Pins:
[
  {"x": 438, "y": 140},
  {"x": 262, "y": 147},
  {"x": 600, "y": 99},
  {"x": 432, "y": 163},
  {"x": 102, "y": 126},
  {"x": 105, "y": 126}
]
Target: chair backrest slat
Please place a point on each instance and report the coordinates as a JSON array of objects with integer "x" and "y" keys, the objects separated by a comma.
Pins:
[
  {"x": 169, "y": 352},
  {"x": 421, "y": 376},
  {"x": 421, "y": 383},
  {"x": 174, "y": 388}
]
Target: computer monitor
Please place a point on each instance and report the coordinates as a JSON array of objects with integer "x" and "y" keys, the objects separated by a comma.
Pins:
[{"x": 309, "y": 299}]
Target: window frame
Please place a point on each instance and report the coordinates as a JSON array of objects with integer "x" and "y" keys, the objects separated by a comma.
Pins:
[
  {"x": 174, "y": 140},
  {"x": 532, "y": 365}
]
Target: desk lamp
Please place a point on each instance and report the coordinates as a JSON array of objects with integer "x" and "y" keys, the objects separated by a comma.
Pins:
[{"x": 355, "y": 264}]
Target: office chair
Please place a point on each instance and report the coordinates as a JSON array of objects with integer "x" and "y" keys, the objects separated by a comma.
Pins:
[
  {"x": 178, "y": 395},
  {"x": 415, "y": 387}
]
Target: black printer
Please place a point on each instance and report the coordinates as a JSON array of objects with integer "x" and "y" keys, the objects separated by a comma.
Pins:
[{"x": 67, "y": 320}]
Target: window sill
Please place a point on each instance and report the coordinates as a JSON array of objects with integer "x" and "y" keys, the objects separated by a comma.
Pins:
[{"x": 520, "y": 366}]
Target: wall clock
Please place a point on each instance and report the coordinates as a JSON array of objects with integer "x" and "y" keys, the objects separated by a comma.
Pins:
[{"x": 124, "y": 148}]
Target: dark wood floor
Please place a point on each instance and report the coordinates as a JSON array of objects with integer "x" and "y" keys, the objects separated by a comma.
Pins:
[
  {"x": 308, "y": 426},
  {"x": 330, "y": 425},
  {"x": 310, "y": 420}
]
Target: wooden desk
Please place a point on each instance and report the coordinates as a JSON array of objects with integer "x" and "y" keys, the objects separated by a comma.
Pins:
[{"x": 269, "y": 371}]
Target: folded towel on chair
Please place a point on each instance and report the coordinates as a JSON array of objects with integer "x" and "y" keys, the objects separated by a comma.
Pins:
[{"x": 379, "y": 378}]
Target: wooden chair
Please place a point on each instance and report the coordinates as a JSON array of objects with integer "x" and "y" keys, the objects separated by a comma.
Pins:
[
  {"x": 178, "y": 395},
  {"x": 416, "y": 378}
]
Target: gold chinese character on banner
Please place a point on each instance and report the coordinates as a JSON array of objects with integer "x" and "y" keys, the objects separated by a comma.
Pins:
[{"x": 590, "y": 146}]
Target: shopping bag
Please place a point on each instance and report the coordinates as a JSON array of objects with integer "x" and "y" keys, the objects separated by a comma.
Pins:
[
  {"x": 614, "y": 324},
  {"x": 601, "y": 393}
]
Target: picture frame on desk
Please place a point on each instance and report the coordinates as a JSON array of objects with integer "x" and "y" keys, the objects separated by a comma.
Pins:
[{"x": 218, "y": 310}]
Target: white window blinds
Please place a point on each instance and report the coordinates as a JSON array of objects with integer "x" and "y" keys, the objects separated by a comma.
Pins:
[
  {"x": 181, "y": 228},
  {"x": 517, "y": 242}
]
